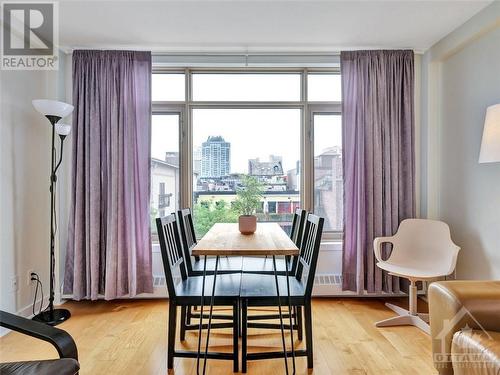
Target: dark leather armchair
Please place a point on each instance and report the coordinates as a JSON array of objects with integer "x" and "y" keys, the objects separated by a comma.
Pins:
[{"x": 67, "y": 364}]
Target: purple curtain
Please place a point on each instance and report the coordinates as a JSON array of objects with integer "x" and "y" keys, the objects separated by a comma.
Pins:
[
  {"x": 379, "y": 159},
  {"x": 109, "y": 244}
]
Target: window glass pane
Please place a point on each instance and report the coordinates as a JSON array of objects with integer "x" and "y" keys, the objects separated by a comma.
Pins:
[
  {"x": 246, "y": 87},
  {"x": 168, "y": 87},
  {"x": 231, "y": 144},
  {"x": 324, "y": 87},
  {"x": 164, "y": 166},
  {"x": 328, "y": 184}
]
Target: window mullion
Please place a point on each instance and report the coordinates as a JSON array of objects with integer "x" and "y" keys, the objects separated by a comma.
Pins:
[{"x": 187, "y": 146}]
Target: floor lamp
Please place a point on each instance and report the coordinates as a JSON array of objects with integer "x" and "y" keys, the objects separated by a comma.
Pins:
[{"x": 54, "y": 111}]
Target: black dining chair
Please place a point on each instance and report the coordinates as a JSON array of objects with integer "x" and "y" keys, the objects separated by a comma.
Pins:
[
  {"x": 264, "y": 265},
  {"x": 188, "y": 292},
  {"x": 260, "y": 290},
  {"x": 194, "y": 264},
  {"x": 260, "y": 265}
]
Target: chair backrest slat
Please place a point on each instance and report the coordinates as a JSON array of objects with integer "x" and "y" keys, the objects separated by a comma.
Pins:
[
  {"x": 296, "y": 234},
  {"x": 188, "y": 236},
  {"x": 298, "y": 226},
  {"x": 309, "y": 250},
  {"x": 171, "y": 253}
]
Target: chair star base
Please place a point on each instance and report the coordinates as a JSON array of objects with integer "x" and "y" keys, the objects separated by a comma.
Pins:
[{"x": 404, "y": 318}]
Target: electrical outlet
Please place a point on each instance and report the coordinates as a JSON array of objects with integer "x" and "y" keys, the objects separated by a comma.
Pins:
[
  {"x": 14, "y": 284},
  {"x": 28, "y": 277}
]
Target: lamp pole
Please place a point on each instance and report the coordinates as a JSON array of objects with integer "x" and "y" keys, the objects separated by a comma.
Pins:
[
  {"x": 50, "y": 315},
  {"x": 53, "y": 120}
]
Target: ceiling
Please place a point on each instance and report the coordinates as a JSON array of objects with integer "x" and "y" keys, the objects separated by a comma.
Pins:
[{"x": 260, "y": 26}]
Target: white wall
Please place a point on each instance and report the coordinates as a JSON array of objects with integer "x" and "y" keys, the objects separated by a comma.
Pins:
[
  {"x": 461, "y": 77},
  {"x": 24, "y": 195},
  {"x": 470, "y": 192}
]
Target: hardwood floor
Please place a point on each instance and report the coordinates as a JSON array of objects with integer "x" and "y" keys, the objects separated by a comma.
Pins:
[{"x": 129, "y": 337}]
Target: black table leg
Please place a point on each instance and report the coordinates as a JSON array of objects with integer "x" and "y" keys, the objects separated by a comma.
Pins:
[
  {"x": 201, "y": 316},
  {"x": 210, "y": 313},
  {"x": 244, "y": 328},
  {"x": 290, "y": 314},
  {"x": 236, "y": 328},
  {"x": 280, "y": 314}
]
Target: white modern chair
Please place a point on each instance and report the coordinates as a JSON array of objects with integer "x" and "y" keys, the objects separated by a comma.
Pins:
[{"x": 422, "y": 251}]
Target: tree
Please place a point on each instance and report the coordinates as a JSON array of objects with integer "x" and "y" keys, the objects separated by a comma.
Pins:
[{"x": 207, "y": 213}]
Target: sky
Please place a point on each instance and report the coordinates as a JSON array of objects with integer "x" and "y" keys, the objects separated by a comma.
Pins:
[{"x": 252, "y": 132}]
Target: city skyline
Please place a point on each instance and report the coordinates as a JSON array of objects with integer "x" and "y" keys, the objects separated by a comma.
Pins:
[
  {"x": 253, "y": 133},
  {"x": 197, "y": 158}
]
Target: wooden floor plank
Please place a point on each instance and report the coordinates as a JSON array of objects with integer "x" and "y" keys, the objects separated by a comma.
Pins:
[{"x": 130, "y": 337}]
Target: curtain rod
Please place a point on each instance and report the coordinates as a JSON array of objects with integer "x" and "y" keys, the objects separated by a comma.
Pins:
[{"x": 247, "y": 60}]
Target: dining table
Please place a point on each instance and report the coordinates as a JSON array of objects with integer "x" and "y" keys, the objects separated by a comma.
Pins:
[{"x": 224, "y": 239}]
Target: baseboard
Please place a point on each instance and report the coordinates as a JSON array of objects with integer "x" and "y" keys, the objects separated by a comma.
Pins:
[
  {"x": 27, "y": 311},
  {"x": 159, "y": 292}
]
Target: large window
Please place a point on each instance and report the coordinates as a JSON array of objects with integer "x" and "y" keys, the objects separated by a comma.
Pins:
[{"x": 280, "y": 128}]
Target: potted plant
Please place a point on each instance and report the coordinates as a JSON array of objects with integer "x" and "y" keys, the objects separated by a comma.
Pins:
[{"x": 246, "y": 204}]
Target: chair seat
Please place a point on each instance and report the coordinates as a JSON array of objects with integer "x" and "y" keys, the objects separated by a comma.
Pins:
[
  {"x": 416, "y": 272},
  {"x": 63, "y": 366},
  {"x": 226, "y": 287},
  {"x": 226, "y": 264},
  {"x": 262, "y": 288},
  {"x": 264, "y": 265}
]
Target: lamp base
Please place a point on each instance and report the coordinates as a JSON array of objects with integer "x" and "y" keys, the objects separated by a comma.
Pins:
[{"x": 54, "y": 317}]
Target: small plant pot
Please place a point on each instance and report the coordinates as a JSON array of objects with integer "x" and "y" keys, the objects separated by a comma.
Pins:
[{"x": 247, "y": 224}]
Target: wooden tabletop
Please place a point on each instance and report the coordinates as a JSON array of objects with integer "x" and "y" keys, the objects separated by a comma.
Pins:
[{"x": 225, "y": 239}]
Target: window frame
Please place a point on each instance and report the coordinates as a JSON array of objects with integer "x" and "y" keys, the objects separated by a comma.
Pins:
[{"x": 308, "y": 109}]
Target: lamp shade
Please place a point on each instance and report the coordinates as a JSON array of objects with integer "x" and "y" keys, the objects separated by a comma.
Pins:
[
  {"x": 490, "y": 145},
  {"x": 63, "y": 129},
  {"x": 52, "y": 107}
]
